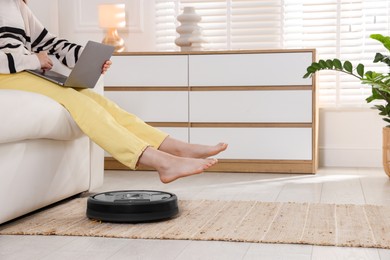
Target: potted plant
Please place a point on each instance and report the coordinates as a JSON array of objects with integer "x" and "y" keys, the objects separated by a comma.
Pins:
[{"x": 380, "y": 85}]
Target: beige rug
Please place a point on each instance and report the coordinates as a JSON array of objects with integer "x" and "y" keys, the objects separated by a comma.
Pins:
[{"x": 243, "y": 221}]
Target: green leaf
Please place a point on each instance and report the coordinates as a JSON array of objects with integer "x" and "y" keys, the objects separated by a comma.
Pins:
[
  {"x": 316, "y": 65},
  {"x": 368, "y": 75},
  {"x": 330, "y": 64},
  {"x": 348, "y": 66},
  {"x": 323, "y": 64},
  {"x": 360, "y": 70},
  {"x": 378, "y": 37},
  {"x": 337, "y": 64},
  {"x": 375, "y": 95},
  {"x": 385, "y": 40},
  {"x": 307, "y": 75},
  {"x": 370, "y": 99},
  {"x": 378, "y": 57},
  {"x": 382, "y": 110},
  {"x": 311, "y": 69}
]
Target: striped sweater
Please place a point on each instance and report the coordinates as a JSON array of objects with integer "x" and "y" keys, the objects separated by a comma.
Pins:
[{"x": 22, "y": 35}]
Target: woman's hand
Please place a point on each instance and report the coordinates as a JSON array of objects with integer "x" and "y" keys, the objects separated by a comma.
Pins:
[
  {"x": 46, "y": 62},
  {"x": 106, "y": 66}
]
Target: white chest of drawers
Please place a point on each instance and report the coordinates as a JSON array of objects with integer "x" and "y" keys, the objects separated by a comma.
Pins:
[{"x": 257, "y": 101}]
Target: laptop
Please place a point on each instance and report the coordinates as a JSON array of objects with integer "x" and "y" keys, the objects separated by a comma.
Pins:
[{"x": 87, "y": 69}]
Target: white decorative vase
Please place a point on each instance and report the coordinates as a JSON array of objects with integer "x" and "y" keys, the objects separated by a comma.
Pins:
[
  {"x": 190, "y": 33},
  {"x": 196, "y": 40}
]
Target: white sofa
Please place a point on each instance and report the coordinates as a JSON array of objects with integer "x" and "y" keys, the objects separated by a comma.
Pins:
[{"x": 44, "y": 156}]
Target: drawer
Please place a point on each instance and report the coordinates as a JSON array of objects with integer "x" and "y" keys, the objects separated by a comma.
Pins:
[
  {"x": 265, "y": 69},
  {"x": 153, "y": 106},
  {"x": 180, "y": 133},
  {"x": 258, "y": 143},
  {"x": 251, "y": 106},
  {"x": 146, "y": 70}
]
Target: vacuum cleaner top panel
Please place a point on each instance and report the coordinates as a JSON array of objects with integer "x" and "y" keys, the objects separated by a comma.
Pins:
[{"x": 132, "y": 196}]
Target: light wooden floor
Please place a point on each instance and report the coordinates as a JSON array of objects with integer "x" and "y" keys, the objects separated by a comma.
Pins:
[{"x": 356, "y": 186}]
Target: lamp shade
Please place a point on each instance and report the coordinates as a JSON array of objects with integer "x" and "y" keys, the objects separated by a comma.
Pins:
[{"x": 112, "y": 16}]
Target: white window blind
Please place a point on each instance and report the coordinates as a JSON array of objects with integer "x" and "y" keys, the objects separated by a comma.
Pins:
[
  {"x": 225, "y": 24},
  {"x": 336, "y": 28}
]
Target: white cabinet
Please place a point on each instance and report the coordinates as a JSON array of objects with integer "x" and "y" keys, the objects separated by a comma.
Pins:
[
  {"x": 259, "y": 143},
  {"x": 251, "y": 106},
  {"x": 153, "y": 106},
  {"x": 249, "y": 69},
  {"x": 257, "y": 101},
  {"x": 147, "y": 70}
]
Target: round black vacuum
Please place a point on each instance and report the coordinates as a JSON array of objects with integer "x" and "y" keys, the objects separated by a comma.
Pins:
[{"x": 132, "y": 206}]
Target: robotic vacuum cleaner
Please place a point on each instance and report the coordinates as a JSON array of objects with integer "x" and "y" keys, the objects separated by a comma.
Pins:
[{"x": 132, "y": 206}]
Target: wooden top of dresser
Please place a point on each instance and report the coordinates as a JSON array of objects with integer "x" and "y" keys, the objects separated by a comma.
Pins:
[{"x": 214, "y": 52}]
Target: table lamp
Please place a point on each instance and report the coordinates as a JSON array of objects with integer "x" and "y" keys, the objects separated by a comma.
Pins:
[{"x": 112, "y": 17}]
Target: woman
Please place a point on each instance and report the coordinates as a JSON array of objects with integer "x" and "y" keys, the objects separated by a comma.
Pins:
[{"x": 25, "y": 44}]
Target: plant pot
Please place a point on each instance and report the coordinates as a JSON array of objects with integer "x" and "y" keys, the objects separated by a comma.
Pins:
[{"x": 386, "y": 149}]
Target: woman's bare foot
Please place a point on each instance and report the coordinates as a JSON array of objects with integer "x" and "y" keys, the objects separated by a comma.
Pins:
[
  {"x": 182, "y": 167},
  {"x": 171, "y": 167},
  {"x": 183, "y": 149}
]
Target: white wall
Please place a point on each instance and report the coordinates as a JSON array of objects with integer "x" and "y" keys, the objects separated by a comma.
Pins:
[
  {"x": 47, "y": 12},
  {"x": 350, "y": 137},
  {"x": 347, "y": 137}
]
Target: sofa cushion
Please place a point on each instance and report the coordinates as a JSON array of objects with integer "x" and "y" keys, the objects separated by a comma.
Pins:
[{"x": 27, "y": 115}]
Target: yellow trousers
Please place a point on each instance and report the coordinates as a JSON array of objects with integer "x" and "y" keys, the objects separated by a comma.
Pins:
[{"x": 120, "y": 133}]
